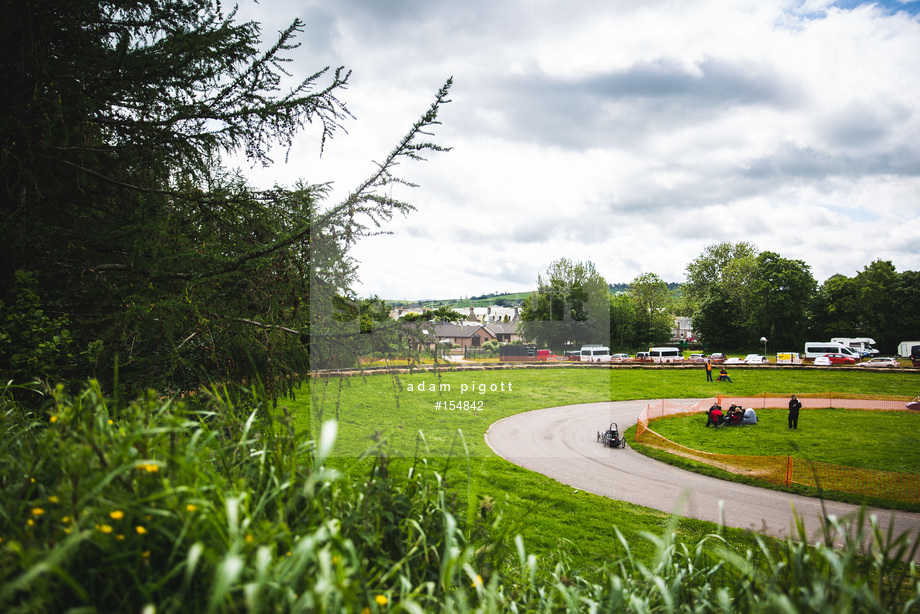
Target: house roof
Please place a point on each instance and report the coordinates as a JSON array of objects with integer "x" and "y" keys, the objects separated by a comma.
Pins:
[
  {"x": 505, "y": 328},
  {"x": 452, "y": 330}
]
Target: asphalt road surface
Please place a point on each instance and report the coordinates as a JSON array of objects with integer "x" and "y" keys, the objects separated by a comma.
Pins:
[{"x": 561, "y": 442}]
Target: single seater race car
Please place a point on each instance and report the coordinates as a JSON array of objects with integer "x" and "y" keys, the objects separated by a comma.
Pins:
[{"x": 611, "y": 438}]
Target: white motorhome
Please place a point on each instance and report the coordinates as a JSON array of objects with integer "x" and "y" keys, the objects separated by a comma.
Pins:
[
  {"x": 863, "y": 345},
  {"x": 595, "y": 353},
  {"x": 905, "y": 348},
  {"x": 813, "y": 349},
  {"x": 665, "y": 354}
]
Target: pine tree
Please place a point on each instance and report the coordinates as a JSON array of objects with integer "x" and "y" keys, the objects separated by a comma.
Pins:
[{"x": 167, "y": 267}]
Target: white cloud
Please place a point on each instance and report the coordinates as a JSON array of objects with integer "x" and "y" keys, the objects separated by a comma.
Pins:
[{"x": 630, "y": 133}]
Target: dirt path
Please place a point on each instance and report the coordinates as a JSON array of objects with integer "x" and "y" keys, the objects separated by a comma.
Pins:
[{"x": 560, "y": 442}]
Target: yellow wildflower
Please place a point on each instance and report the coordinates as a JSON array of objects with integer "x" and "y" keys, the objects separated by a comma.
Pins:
[
  {"x": 105, "y": 529},
  {"x": 381, "y": 599},
  {"x": 146, "y": 554},
  {"x": 37, "y": 511},
  {"x": 52, "y": 499},
  {"x": 117, "y": 515},
  {"x": 30, "y": 522},
  {"x": 191, "y": 507},
  {"x": 140, "y": 530},
  {"x": 477, "y": 581},
  {"x": 54, "y": 419},
  {"x": 120, "y": 537},
  {"x": 65, "y": 519}
]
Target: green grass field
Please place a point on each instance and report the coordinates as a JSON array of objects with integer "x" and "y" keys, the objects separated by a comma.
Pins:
[{"x": 551, "y": 517}]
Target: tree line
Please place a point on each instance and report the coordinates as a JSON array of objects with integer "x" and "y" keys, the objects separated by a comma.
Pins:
[{"x": 735, "y": 295}]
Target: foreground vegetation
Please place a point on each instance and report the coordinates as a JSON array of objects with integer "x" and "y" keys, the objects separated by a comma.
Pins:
[{"x": 157, "y": 506}]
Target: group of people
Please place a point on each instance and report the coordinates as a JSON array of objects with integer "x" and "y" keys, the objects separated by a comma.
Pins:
[
  {"x": 723, "y": 374},
  {"x": 734, "y": 416}
]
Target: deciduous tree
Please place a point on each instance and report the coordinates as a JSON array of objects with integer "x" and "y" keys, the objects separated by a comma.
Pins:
[
  {"x": 728, "y": 266},
  {"x": 782, "y": 293},
  {"x": 652, "y": 299},
  {"x": 570, "y": 306}
]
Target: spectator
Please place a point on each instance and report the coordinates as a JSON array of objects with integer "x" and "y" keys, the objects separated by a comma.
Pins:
[
  {"x": 715, "y": 416},
  {"x": 794, "y": 407},
  {"x": 723, "y": 376}
]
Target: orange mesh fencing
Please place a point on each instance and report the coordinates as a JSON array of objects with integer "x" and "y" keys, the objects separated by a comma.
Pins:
[
  {"x": 820, "y": 401},
  {"x": 788, "y": 470}
]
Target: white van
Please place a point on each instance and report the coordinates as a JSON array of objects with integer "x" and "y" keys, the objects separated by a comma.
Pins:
[
  {"x": 788, "y": 358},
  {"x": 665, "y": 354},
  {"x": 861, "y": 345},
  {"x": 813, "y": 349},
  {"x": 905, "y": 348},
  {"x": 595, "y": 353}
]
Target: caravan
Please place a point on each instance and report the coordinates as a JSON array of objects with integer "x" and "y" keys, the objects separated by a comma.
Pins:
[{"x": 906, "y": 348}]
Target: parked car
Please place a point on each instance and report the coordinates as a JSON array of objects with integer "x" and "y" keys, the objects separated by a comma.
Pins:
[
  {"x": 881, "y": 362},
  {"x": 620, "y": 357},
  {"x": 643, "y": 356},
  {"x": 756, "y": 359},
  {"x": 717, "y": 357},
  {"x": 840, "y": 359},
  {"x": 822, "y": 361},
  {"x": 734, "y": 360},
  {"x": 697, "y": 358}
]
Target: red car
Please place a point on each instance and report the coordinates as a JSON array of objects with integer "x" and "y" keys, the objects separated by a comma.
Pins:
[{"x": 840, "y": 359}]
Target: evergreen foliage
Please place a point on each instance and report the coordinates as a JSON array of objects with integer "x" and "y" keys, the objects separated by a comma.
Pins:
[{"x": 171, "y": 270}]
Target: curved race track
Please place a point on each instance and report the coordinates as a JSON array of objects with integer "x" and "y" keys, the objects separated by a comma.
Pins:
[{"x": 560, "y": 442}]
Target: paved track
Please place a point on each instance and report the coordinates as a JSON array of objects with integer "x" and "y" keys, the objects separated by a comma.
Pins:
[{"x": 560, "y": 442}]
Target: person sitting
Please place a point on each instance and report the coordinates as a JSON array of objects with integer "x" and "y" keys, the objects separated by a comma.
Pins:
[
  {"x": 723, "y": 376},
  {"x": 715, "y": 416},
  {"x": 734, "y": 416},
  {"x": 730, "y": 415}
]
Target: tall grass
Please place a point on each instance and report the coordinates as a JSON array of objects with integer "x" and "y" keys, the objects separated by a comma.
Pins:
[{"x": 161, "y": 506}]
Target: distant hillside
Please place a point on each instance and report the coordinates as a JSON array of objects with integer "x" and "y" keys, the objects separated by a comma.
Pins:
[
  {"x": 483, "y": 300},
  {"x": 502, "y": 299}
]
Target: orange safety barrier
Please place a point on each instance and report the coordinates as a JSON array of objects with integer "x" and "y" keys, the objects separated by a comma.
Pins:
[{"x": 788, "y": 470}]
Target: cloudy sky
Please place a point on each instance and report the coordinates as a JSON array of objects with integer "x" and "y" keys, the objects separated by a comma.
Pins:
[{"x": 631, "y": 133}]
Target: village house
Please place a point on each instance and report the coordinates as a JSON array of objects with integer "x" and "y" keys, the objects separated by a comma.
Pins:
[
  {"x": 504, "y": 332},
  {"x": 399, "y": 312},
  {"x": 683, "y": 329},
  {"x": 463, "y": 336},
  {"x": 485, "y": 315}
]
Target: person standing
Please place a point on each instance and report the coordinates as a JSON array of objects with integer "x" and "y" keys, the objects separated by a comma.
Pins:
[
  {"x": 708, "y": 370},
  {"x": 794, "y": 407}
]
